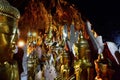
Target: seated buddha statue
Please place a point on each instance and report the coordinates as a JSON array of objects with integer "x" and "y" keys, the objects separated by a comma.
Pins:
[{"x": 9, "y": 17}]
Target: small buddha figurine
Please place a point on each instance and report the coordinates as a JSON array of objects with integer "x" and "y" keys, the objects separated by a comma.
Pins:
[
  {"x": 65, "y": 69},
  {"x": 9, "y": 17},
  {"x": 101, "y": 67},
  {"x": 77, "y": 69}
]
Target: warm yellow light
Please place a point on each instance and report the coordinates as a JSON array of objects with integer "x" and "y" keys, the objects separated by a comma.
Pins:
[
  {"x": 21, "y": 43},
  {"x": 34, "y": 34},
  {"x": 29, "y": 34}
]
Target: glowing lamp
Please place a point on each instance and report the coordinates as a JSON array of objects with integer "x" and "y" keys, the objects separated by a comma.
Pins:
[
  {"x": 34, "y": 34},
  {"x": 21, "y": 43},
  {"x": 29, "y": 34}
]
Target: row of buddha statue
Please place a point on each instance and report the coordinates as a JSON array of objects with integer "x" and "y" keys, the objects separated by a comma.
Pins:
[{"x": 75, "y": 62}]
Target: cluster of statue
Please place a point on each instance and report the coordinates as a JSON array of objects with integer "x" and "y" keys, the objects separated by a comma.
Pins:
[
  {"x": 55, "y": 56},
  {"x": 70, "y": 57}
]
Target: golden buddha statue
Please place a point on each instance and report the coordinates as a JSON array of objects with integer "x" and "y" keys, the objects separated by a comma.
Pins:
[
  {"x": 65, "y": 69},
  {"x": 103, "y": 70},
  {"x": 8, "y": 34}
]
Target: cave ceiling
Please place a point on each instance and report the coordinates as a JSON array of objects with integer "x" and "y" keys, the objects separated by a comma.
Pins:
[
  {"x": 35, "y": 14},
  {"x": 103, "y": 14}
]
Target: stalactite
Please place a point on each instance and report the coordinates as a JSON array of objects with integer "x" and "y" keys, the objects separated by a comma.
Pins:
[{"x": 36, "y": 15}]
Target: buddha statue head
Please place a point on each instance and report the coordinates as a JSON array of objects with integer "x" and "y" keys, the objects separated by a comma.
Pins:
[{"x": 9, "y": 17}]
